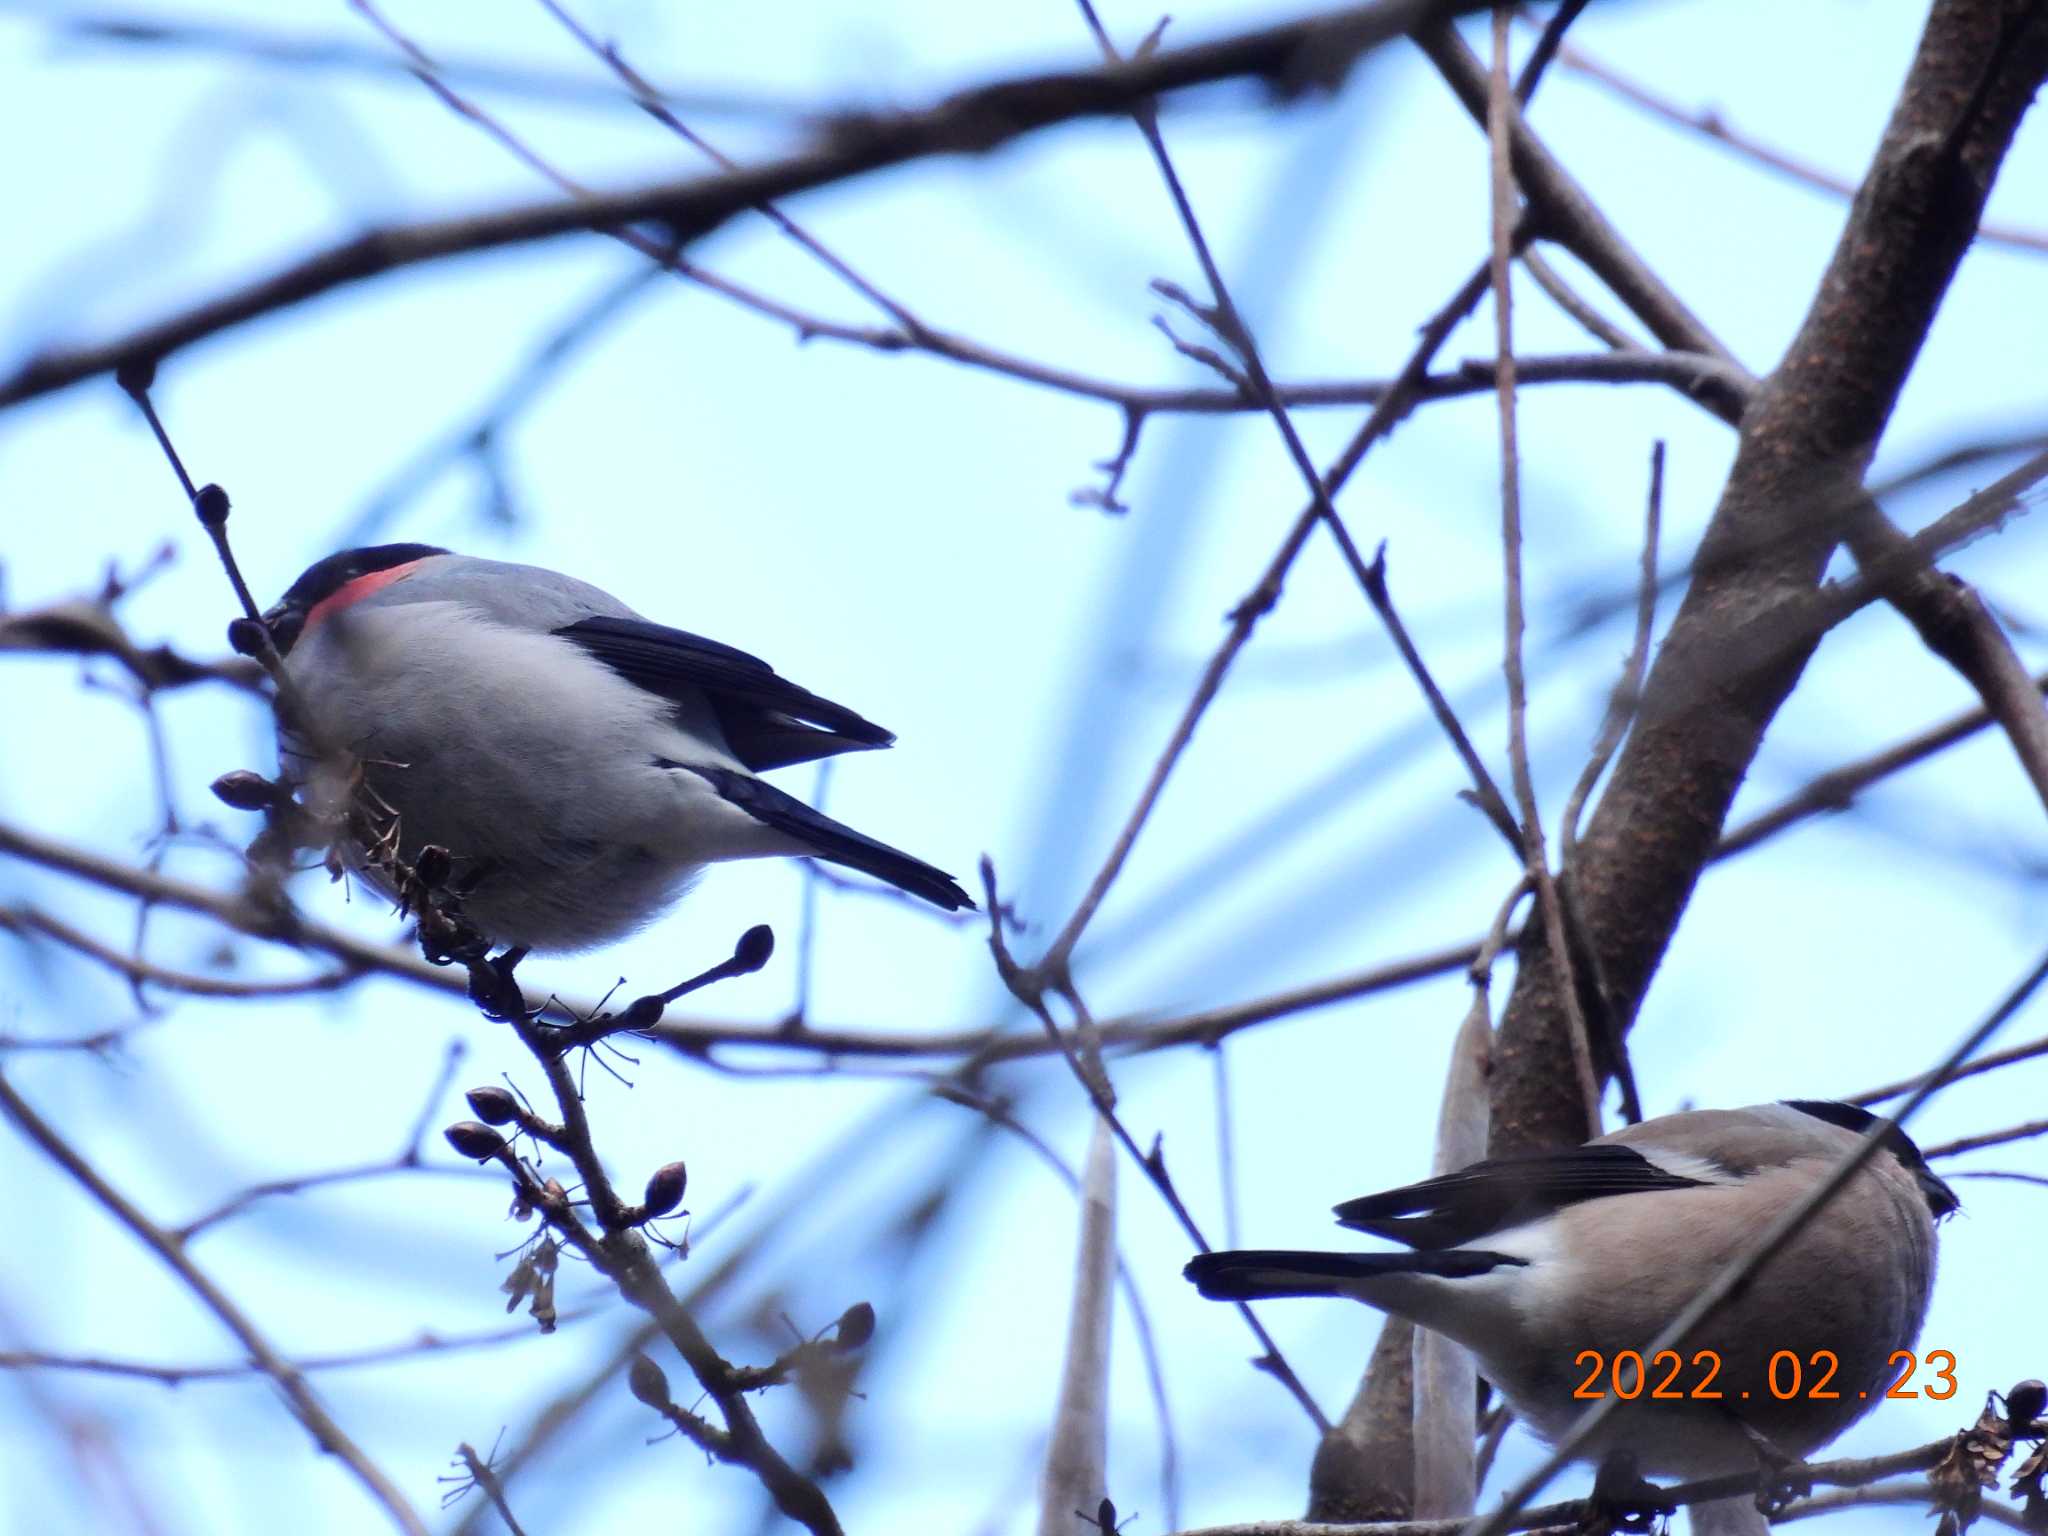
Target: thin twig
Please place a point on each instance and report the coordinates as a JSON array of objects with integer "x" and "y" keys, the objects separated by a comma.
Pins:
[
  {"x": 298, "y": 1396},
  {"x": 1836, "y": 790},
  {"x": 1030, "y": 991},
  {"x": 86, "y": 627},
  {"x": 1226, "y": 1143},
  {"x": 1264, "y": 592},
  {"x": 357, "y": 1173},
  {"x": 1573, "y": 1514},
  {"x": 1568, "y": 299},
  {"x": 1535, "y": 855},
  {"x": 486, "y": 1478},
  {"x": 478, "y": 438},
  {"x": 1710, "y": 124},
  {"x": 27, "y": 920},
  {"x": 1621, "y": 704},
  {"x": 649, "y": 101},
  {"x": 620, "y": 1253},
  {"x": 1991, "y": 1061},
  {"x": 1325, "y": 46},
  {"x": 1485, "y": 793},
  {"x": 291, "y": 50},
  {"x": 1916, "y": 1491},
  {"x": 2025, "y": 1132}
]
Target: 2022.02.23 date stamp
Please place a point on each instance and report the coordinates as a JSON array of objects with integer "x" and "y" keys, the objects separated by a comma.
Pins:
[{"x": 1785, "y": 1377}]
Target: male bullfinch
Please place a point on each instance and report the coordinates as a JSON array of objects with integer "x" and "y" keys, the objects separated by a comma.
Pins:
[{"x": 579, "y": 763}]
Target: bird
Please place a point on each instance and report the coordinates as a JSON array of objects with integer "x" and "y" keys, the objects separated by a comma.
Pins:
[
  {"x": 1557, "y": 1268},
  {"x": 577, "y": 763}
]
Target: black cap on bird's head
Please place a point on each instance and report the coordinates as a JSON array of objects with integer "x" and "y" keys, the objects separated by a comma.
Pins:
[
  {"x": 1941, "y": 1200},
  {"x": 323, "y": 579}
]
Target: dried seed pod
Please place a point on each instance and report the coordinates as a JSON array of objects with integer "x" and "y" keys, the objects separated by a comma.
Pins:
[
  {"x": 474, "y": 1140},
  {"x": 493, "y": 1105},
  {"x": 136, "y": 374},
  {"x": 518, "y": 1285},
  {"x": 649, "y": 1383},
  {"x": 2023, "y": 1404},
  {"x": 246, "y": 791},
  {"x": 210, "y": 503},
  {"x": 755, "y": 947},
  {"x": 545, "y": 1260},
  {"x": 247, "y": 637},
  {"x": 664, "y": 1190},
  {"x": 856, "y": 1326},
  {"x": 641, "y": 1013}
]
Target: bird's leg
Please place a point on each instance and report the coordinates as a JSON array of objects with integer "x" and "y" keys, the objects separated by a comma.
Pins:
[
  {"x": 491, "y": 985},
  {"x": 1782, "y": 1477},
  {"x": 1622, "y": 1501},
  {"x": 427, "y": 890}
]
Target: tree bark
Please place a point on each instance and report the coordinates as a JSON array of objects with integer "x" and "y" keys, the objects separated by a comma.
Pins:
[{"x": 1743, "y": 634}]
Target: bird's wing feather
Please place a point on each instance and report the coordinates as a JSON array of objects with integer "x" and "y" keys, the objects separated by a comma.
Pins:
[
  {"x": 768, "y": 721},
  {"x": 825, "y": 838},
  {"x": 1499, "y": 1193}
]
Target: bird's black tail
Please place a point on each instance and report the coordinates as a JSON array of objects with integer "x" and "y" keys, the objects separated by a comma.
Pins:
[
  {"x": 830, "y": 840},
  {"x": 1253, "y": 1274}
]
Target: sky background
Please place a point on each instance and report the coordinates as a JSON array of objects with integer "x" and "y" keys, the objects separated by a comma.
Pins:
[{"x": 897, "y": 532}]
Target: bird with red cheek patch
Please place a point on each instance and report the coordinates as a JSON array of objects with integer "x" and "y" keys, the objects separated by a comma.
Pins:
[{"x": 579, "y": 763}]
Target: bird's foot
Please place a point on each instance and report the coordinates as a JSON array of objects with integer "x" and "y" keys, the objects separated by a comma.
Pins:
[
  {"x": 1623, "y": 1501},
  {"x": 493, "y": 989},
  {"x": 1782, "y": 1476},
  {"x": 426, "y": 890}
]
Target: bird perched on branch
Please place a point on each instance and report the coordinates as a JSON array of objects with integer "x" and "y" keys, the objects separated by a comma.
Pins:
[
  {"x": 1555, "y": 1270},
  {"x": 578, "y": 763}
]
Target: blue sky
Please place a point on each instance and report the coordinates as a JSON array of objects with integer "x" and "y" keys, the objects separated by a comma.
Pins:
[{"x": 896, "y": 532}]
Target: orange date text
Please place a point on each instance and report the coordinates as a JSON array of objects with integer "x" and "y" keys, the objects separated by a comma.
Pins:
[{"x": 1670, "y": 1377}]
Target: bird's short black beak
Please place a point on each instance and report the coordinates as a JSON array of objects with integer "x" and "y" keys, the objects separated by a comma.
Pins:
[
  {"x": 1940, "y": 1198},
  {"x": 284, "y": 621}
]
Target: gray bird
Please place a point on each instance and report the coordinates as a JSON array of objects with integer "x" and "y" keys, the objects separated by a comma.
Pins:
[
  {"x": 1551, "y": 1268},
  {"x": 579, "y": 763}
]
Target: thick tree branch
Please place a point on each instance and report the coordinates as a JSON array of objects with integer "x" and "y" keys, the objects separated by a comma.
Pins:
[
  {"x": 1806, "y": 440},
  {"x": 1953, "y": 622}
]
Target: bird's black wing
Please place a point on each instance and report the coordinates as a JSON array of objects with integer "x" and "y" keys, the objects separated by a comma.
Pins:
[
  {"x": 1503, "y": 1192},
  {"x": 769, "y": 721}
]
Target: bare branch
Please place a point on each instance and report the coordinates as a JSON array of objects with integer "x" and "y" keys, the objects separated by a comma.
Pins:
[
  {"x": 1529, "y": 829},
  {"x": 1709, "y": 123},
  {"x": 1805, "y": 440},
  {"x": 2025, "y": 1132},
  {"x": 298, "y": 1396},
  {"x": 26, "y": 921},
  {"x": 1314, "y": 52},
  {"x": 295, "y": 51}
]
